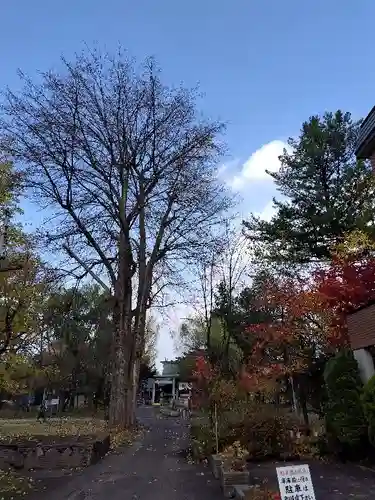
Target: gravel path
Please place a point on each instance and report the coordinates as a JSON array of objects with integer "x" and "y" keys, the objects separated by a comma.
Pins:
[{"x": 154, "y": 469}]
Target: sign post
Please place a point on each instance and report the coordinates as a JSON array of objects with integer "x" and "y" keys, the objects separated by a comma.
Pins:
[{"x": 295, "y": 482}]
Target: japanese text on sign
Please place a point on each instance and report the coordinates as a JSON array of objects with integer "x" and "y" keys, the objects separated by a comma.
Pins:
[{"x": 295, "y": 483}]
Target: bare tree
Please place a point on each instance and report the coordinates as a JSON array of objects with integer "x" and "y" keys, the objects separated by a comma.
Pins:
[
  {"x": 129, "y": 169},
  {"x": 151, "y": 339},
  {"x": 221, "y": 275},
  {"x": 233, "y": 268},
  {"x": 206, "y": 277}
]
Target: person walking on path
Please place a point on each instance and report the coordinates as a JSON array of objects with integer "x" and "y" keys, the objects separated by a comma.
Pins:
[{"x": 42, "y": 411}]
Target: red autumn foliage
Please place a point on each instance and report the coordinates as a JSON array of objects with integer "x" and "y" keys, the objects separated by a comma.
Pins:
[
  {"x": 315, "y": 313},
  {"x": 302, "y": 316},
  {"x": 253, "y": 380},
  {"x": 204, "y": 371},
  {"x": 280, "y": 343},
  {"x": 342, "y": 288},
  {"x": 305, "y": 316},
  {"x": 203, "y": 374}
]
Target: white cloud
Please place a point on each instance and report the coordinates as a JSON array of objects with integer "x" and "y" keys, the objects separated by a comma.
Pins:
[
  {"x": 222, "y": 170},
  {"x": 254, "y": 168},
  {"x": 170, "y": 324},
  {"x": 268, "y": 212},
  {"x": 225, "y": 171}
]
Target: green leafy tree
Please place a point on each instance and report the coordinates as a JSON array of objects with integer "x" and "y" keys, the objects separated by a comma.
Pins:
[
  {"x": 24, "y": 283},
  {"x": 247, "y": 308},
  {"x": 23, "y": 279},
  {"x": 18, "y": 374},
  {"x": 22, "y": 292},
  {"x": 193, "y": 333},
  {"x": 345, "y": 418},
  {"x": 326, "y": 193},
  {"x": 10, "y": 232},
  {"x": 10, "y": 187},
  {"x": 77, "y": 334}
]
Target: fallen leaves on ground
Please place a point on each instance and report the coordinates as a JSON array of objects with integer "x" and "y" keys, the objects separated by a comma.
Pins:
[
  {"x": 60, "y": 427},
  {"x": 123, "y": 437},
  {"x": 14, "y": 486}
]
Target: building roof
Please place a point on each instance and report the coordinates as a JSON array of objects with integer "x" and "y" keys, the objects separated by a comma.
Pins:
[
  {"x": 366, "y": 139},
  {"x": 364, "y": 306}
]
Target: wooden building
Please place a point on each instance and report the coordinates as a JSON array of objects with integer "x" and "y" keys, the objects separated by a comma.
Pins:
[
  {"x": 361, "y": 328},
  {"x": 366, "y": 141},
  {"x": 361, "y": 323}
]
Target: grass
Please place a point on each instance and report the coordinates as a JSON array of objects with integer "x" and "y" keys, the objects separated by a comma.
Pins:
[
  {"x": 63, "y": 427},
  {"x": 11, "y": 429},
  {"x": 18, "y": 414},
  {"x": 13, "y": 485}
]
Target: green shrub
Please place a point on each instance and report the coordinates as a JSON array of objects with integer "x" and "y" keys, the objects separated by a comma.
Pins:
[
  {"x": 203, "y": 435},
  {"x": 345, "y": 419},
  {"x": 368, "y": 402},
  {"x": 231, "y": 424},
  {"x": 203, "y": 439},
  {"x": 266, "y": 432},
  {"x": 263, "y": 429}
]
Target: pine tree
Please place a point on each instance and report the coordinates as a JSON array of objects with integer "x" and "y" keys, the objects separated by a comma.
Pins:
[
  {"x": 345, "y": 418},
  {"x": 326, "y": 193}
]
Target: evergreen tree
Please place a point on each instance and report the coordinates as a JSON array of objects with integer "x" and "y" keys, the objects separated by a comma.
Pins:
[
  {"x": 368, "y": 402},
  {"x": 345, "y": 418},
  {"x": 327, "y": 193}
]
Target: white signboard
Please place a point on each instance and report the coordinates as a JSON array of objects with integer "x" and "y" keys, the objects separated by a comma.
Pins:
[
  {"x": 54, "y": 402},
  {"x": 184, "y": 386},
  {"x": 295, "y": 482}
]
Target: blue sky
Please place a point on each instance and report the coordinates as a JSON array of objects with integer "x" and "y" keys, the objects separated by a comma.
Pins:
[{"x": 264, "y": 66}]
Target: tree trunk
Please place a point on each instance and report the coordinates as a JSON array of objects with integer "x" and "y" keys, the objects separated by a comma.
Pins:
[
  {"x": 138, "y": 345},
  {"x": 136, "y": 370},
  {"x": 120, "y": 407},
  {"x": 121, "y": 410},
  {"x": 303, "y": 401}
]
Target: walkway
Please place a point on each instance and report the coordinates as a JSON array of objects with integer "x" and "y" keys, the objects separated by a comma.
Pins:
[{"x": 154, "y": 469}]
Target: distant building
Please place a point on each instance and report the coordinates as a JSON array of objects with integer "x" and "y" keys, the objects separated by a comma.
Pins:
[
  {"x": 170, "y": 368},
  {"x": 165, "y": 386},
  {"x": 172, "y": 384}
]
